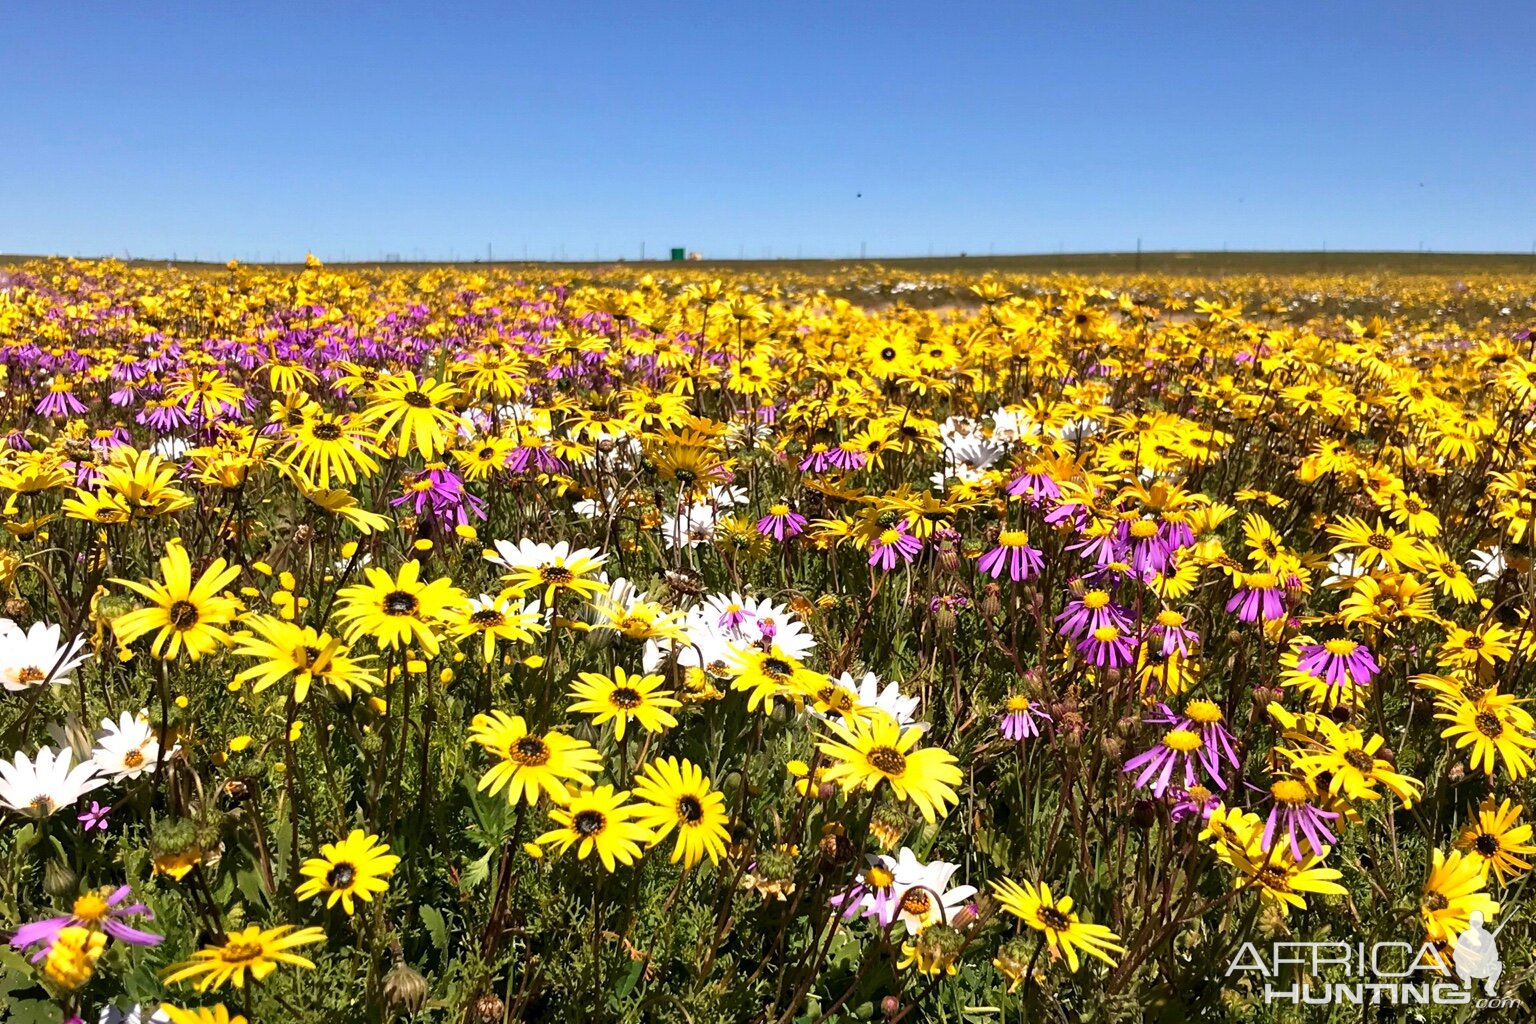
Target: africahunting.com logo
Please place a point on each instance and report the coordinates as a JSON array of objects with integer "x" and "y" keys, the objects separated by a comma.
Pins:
[{"x": 1324, "y": 973}]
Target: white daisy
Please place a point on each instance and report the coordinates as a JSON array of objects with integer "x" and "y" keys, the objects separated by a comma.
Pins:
[
  {"x": 689, "y": 529},
  {"x": 917, "y": 895},
  {"x": 889, "y": 699},
  {"x": 968, "y": 459},
  {"x": 35, "y": 656},
  {"x": 746, "y": 621},
  {"x": 127, "y": 748},
  {"x": 1486, "y": 566},
  {"x": 46, "y": 783}
]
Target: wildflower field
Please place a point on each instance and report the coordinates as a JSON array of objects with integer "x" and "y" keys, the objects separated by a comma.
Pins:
[{"x": 678, "y": 645}]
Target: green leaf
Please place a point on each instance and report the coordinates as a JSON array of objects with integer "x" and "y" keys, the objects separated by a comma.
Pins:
[
  {"x": 629, "y": 980},
  {"x": 437, "y": 928},
  {"x": 475, "y": 872}
]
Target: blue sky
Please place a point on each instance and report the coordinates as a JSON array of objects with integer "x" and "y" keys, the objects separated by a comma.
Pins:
[{"x": 261, "y": 130}]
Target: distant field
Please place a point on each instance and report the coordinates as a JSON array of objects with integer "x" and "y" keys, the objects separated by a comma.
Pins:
[{"x": 1196, "y": 263}]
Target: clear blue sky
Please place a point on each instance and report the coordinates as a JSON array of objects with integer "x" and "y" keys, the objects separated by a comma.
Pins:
[{"x": 268, "y": 129}]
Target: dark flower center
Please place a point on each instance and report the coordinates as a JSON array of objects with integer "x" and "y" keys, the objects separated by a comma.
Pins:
[
  {"x": 1360, "y": 761},
  {"x": 416, "y": 400},
  {"x": 183, "y": 614},
  {"x": 487, "y": 618},
  {"x": 1489, "y": 725},
  {"x": 326, "y": 431},
  {"x": 1054, "y": 919},
  {"x": 887, "y": 759},
  {"x": 398, "y": 602},
  {"x": 1486, "y": 845},
  {"x": 557, "y": 574},
  {"x": 916, "y": 902},
  {"x": 588, "y": 823},
  {"x": 1380, "y": 540},
  {"x": 341, "y": 875},
  {"x": 689, "y": 810},
  {"x": 625, "y": 697},
  {"x": 776, "y": 669},
  {"x": 242, "y": 952},
  {"x": 530, "y": 750},
  {"x": 1435, "y": 902}
]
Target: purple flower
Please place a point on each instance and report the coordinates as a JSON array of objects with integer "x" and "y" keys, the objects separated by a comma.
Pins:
[
  {"x": 1012, "y": 555},
  {"x": 1094, "y": 610},
  {"x": 781, "y": 522},
  {"x": 818, "y": 459},
  {"x": 1035, "y": 486},
  {"x": 1108, "y": 647},
  {"x": 1152, "y": 545},
  {"x": 439, "y": 493},
  {"x": 99, "y": 910},
  {"x": 893, "y": 544},
  {"x": 1294, "y": 813},
  {"x": 1022, "y": 719},
  {"x": 95, "y": 818},
  {"x": 1179, "y": 748},
  {"x": 1168, "y": 629},
  {"x": 60, "y": 402},
  {"x": 1192, "y": 801},
  {"x": 1258, "y": 597},
  {"x": 1337, "y": 662},
  {"x": 1205, "y": 718}
]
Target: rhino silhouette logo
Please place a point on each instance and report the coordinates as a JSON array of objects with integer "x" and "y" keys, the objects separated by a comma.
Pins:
[{"x": 1476, "y": 954}]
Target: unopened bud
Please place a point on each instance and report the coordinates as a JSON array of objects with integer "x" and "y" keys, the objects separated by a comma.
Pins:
[
  {"x": 405, "y": 990},
  {"x": 60, "y": 880},
  {"x": 489, "y": 1008}
]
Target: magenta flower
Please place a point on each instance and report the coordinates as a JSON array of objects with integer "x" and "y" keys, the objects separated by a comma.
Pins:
[
  {"x": 1293, "y": 813},
  {"x": 1258, "y": 597},
  {"x": 1168, "y": 629},
  {"x": 1339, "y": 661},
  {"x": 60, "y": 402},
  {"x": 1012, "y": 555},
  {"x": 98, "y": 910},
  {"x": 1151, "y": 543},
  {"x": 1206, "y": 719},
  {"x": 894, "y": 544},
  {"x": 1192, "y": 801},
  {"x": 1094, "y": 610},
  {"x": 1178, "y": 749},
  {"x": 781, "y": 522},
  {"x": 95, "y": 818},
  {"x": 1022, "y": 719},
  {"x": 1108, "y": 647},
  {"x": 1035, "y": 486}
]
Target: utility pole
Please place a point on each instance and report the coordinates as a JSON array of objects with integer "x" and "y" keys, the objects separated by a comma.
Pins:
[{"x": 1138, "y": 255}]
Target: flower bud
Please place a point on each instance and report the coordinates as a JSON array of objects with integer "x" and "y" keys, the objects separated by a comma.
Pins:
[
  {"x": 60, "y": 880},
  {"x": 489, "y": 1008},
  {"x": 405, "y": 990},
  {"x": 949, "y": 558},
  {"x": 991, "y": 603},
  {"x": 1144, "y": 814}
]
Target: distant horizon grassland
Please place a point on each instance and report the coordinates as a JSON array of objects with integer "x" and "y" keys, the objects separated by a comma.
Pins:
[{"x": 1193, "y": 262}]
